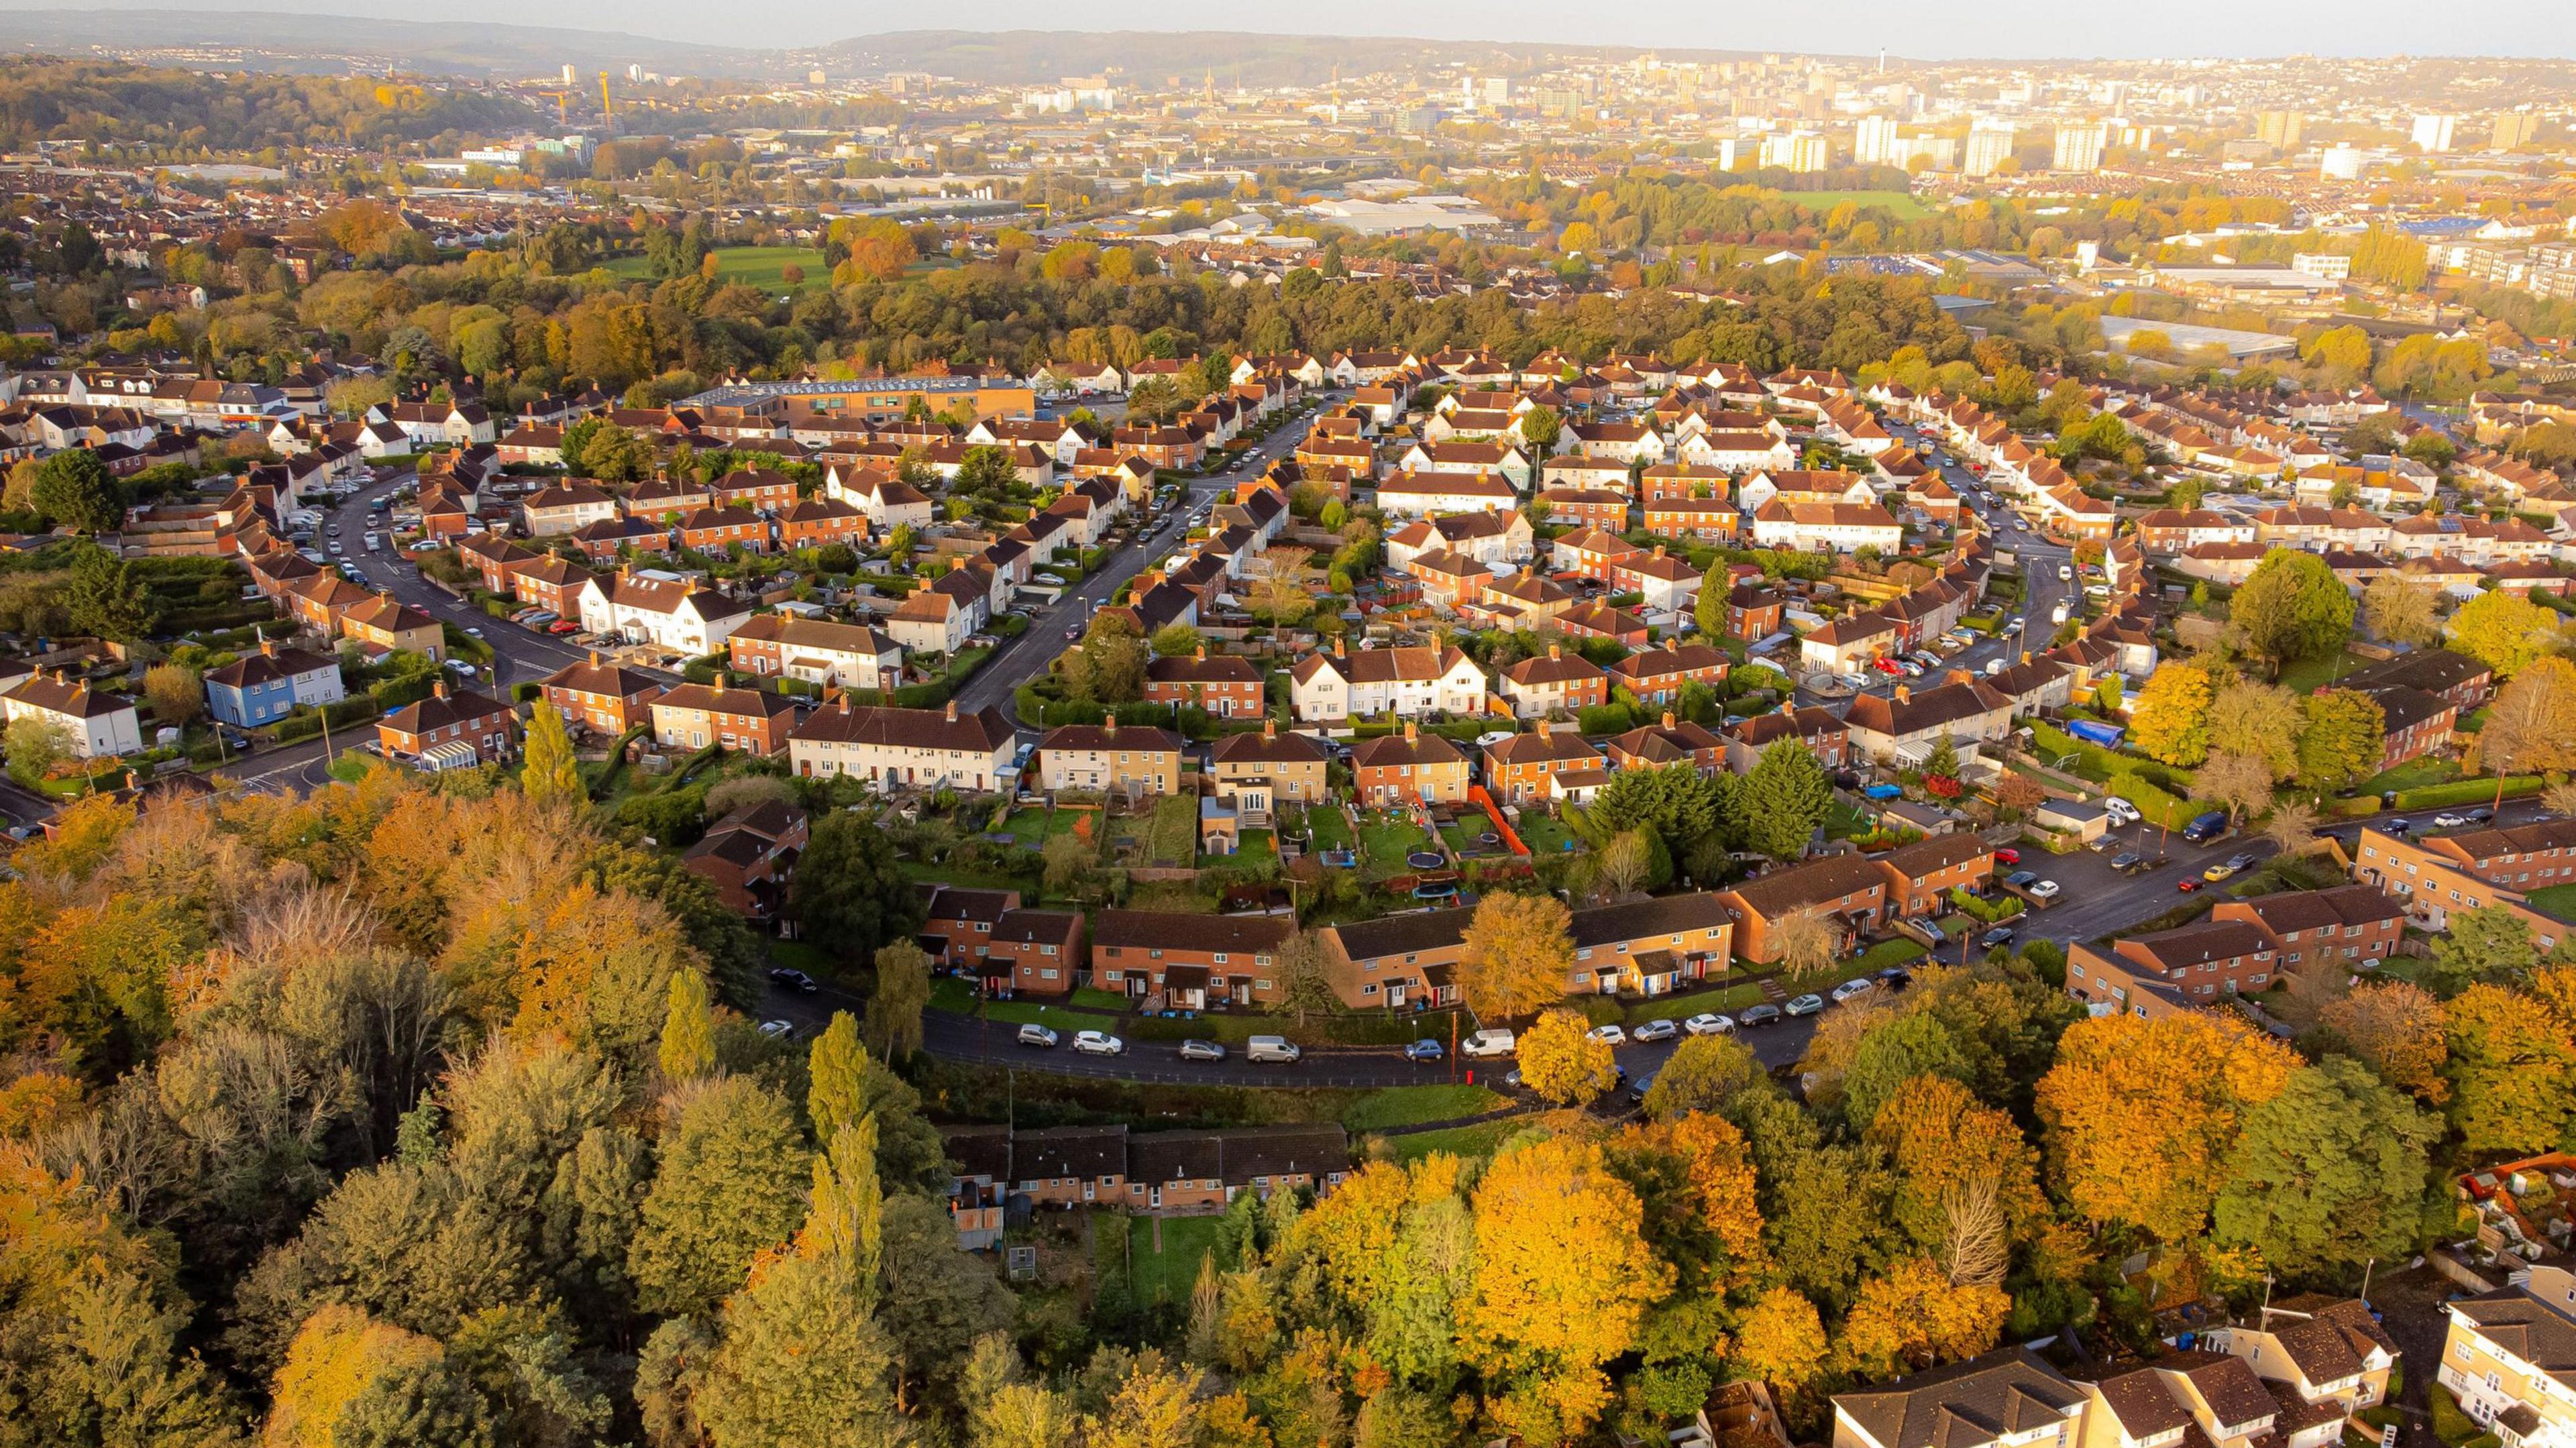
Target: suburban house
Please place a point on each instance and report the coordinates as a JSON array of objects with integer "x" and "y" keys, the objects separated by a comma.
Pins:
[
  {"x": 1136, "y": 760},
  {"x": 1228, "y": 686},
  {"x": 451, "y": 729},
  {"x": 381, "y": 626},
  {"x": 1178, "y": 961},
  {"x": 1295, "y": 766},
  {"x": 1909, "y": 726},
  {"x": 1919, "y": 875},
  {"x": 1850, "y": 892},
  {"x": 1033, "y": 952},
  {"x": 895, "y": 748},
  {"x": 749, "y": 855},
  {"x": 2168, "y": 971},
  {"x": 669, "y": 614},
  {"x": 266, "y": 686},
  {"x": 1408, "y": 682},
  {"x": 2434, "y": 874},
  {"x": 816, "y": 650},
  {"x": 1815, "y": 727},
  {"x": 2505, "y": 1356},
  {"x": 1521, "y": 769},
  {"x": 693, "y": 716},
  {"x": 2009, "y": 1398},
  {"x": 564, "y": 508},
  {"x": 93, "y": 722},
  {"x": 608, "y": 699},
  {"x": 960, "y": 919},
  {"x": 1657, "y": 676},
  {"x": 1646, "y": 947},
  {"x": 1558, "y": 683},
  {"x": 1408, "y": 768},
  {"x": 1667, "y": 743}
]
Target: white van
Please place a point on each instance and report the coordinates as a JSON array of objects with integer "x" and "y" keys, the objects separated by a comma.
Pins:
[
  {"x": 1488, "y": 1043},
  {"x": 1270, "y": 1048}
]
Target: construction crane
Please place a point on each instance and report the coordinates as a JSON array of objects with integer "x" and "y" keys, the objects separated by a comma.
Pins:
[
  {"x": 563, "y": 114},
  {"x": 607, "y": 114}
]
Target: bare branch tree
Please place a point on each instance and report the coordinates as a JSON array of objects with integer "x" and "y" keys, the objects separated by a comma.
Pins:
[
  {"x": 1808, "y": 942},
  {"x": 1977, "y": 1242},
  {"x": 2292, "y": 826}
]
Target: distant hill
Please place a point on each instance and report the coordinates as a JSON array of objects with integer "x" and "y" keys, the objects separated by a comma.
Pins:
[
  {"x": 272, "y": 40},
  {"x": 281, "y": 41}
]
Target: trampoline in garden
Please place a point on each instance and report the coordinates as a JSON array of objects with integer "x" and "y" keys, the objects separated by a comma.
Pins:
[
  {"x": 1426, "y": 860},
  {"x": 1435, "y": 889}
]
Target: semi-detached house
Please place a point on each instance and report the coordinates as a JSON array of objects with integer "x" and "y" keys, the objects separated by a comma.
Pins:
[
  {"x": 1644, "y": 947},
  {"x": 906, "y": 748},
  {"x": 1406, "y": 682},
  {"x": 669, "y": 614}
]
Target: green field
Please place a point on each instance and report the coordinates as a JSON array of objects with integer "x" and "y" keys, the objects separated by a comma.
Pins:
[
  {"x": 1169, "y": 1274},
  {"x": 1468, "y": 1141},
  {"x": 758, "y": 266},
  {"x": 1411, "y": 1105},
  {"x": 1899, "y": 203}
]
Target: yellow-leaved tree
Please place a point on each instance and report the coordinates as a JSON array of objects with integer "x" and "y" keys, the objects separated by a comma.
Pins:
[
  {"x": 1562, "y": 1063},
  {"x": 2140, "y": 1114},
  {"x": 1517, "y": 954},
  {"x": 1563, "y": 1280}
]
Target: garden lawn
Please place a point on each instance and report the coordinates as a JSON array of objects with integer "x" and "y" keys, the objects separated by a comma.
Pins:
[
  {"x": 1475, "y": 1141},
  {"x": 2413, "y": 774},
  {"x": 1169, "y": 1275},
  {"x": 2309, "y": 675},
  {"x": 1385, "y": 840},
  {"x": 1680, "y": 1007},
  {"x": 755, "y": 266},
  {"x": 1546, "y": 835},
  {"x": 1331, "y": 827},
  {"x": 2558, "y": 901},
  {"x": 1175, "y": 839},
  {"x": 1255, "y": 847},
  {"x": 1408, "y": 1105}
]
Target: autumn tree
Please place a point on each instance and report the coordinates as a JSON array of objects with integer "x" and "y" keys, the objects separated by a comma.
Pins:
[
  {"x": 1516, "y": 956},
  {"x": 1561, "y": 1061},
  {"x": 727, "y": 1187},
  {"x": 2512, "y": 1063},
  {"x": 897, "y": 998},
  {"x": 2342, "y": 736},
  {"x": 2140, "y": 1114},
  {"x": 2240, "y": 783},
  {"x": 2503, "y": 630},
  {"x": 1943, "y": 1142},
  {"x": 1781, "y": 1341},
  {"x": 2327, "y": 1173},
  {"x": 2482, "y": 943},
  {"x": 2259, "y": 720},
  {"x": 2170, "y": 720},
  {"x": 2292, "y": 825},
  {"x": 2401, "y": 610},
  {"x": 1302, "y": 965},
  {"x": 549, "y": 775},
  {"x": 1282, "y": 596},
  {"x": 2292, "y": 607},
  {"x": 2532, "y": 724},
  {"x": 2396, "y": 1028},
  {"x": 688, "y": 1037},
  {"x": 1703, "y": 1073},
  {"x": 178, "y": 695},
  {"x": 1913, "y": 1317},
  {"x": 1562, "y": 1282},
  {"x": 1109, "y": 667}
]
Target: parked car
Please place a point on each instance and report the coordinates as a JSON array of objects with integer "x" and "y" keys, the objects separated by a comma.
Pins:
[
  {"x": 1896, "y": 977},
  {"x": 2000, "y": 935},
  {"x": 1805, "y": 1005},
  {"x": 2449, "y": 821},
  {"x": 2022, "y": 879},
  {"x": 1638, "y": 1088},
  {"x": 1655, "y": 1031},
  {"x": 563, "y": 626},
  {"x": 1757, "y": 1015},
  {"x": 2042, "y": 889},
  {"x": 795, "y": 980},
  {"x": 775, "y": 1030},
  {"x": 1425, "y": 1049},
  {"x": 1613, "y": 1033},
  {"x": 1853, "y": 988},
  {"x": 1492, "y": 1042},
  {"x": 2241, "y": 861},
  {"x": 1202, "y": 1051},
  {"x": 1709, "y": 1023},
  {"x": 2126, "y": 861},
  {"x": 2187, "y": 884},
  {"x": 2007, "y": 856},
  {"x": 1271, "y": 1048},
  {"x": 1034, "y": 1034},
  {"x": 2220, "y": 871},
  {"x": 2121, "y": 811},
  {"x": 2397, "y": 826},
  {"x": 1098, "y": 1043},
  {"x": 540, "y": 618}
]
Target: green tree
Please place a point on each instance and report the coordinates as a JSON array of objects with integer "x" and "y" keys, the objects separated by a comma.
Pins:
[
  {"x": 75, "y": 490},
  {"x": 849, "y": 891},
  {"x": 35, "y": 746},
  {"x": 1540, "y": 428},
  {"x": 845, "y": 1085},
  {"x": 177, "y": 693},
  {"x": 549, "y": 775},
  {"x": 901, "y": 991},
  {"x": 2342, "y": 739},
  {"x": 1709, "y": 608},
  {"x": 1894, "y": 1052},
  {"x": 2292, "y": 608},
  {"x": 2483, "y": 943},
  {"x": 985, "y": 472},
  {"x": 107, "y": 597},
  {"x": 2328, "y": 1173},
  {"x": 937, "y": 1301},
  {"x": 1704, "y": 1073},
  {"x": 726, "y": 1188},
  {"x": 1783, "y": 799},
  {"x": 688, "y": 1029},
  {"x": 1177, "y": 641},
  {"x": 1109, "y": 668}
]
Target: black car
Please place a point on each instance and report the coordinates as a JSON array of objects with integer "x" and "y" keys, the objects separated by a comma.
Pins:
[
  {"x": 1896, "y": 977},
  {"x": 1757, "y": 1015},
  {"x": 2000, "y": 935},
  {"x": 795, "y": 980}
]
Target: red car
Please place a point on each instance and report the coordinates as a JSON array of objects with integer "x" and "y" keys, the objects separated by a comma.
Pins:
[
  {"x": 2187, "y": 884},
  {"x": 564, "y": 626},
  {"x": 2007, "y": 856},
  {"x": 1886, "y": 665}
]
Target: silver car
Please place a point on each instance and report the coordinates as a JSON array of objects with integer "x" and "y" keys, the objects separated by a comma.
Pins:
[{"x": 1202, "y": 1051}]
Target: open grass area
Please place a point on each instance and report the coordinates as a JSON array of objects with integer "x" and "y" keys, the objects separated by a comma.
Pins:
[
  {"x": 1406, "y": 1105},
  {"x": 1254, "y": 847},
  {"x": 2556, "y": 901},
  {"x": 1385, "y": 840},
  {"x": 2309, "y": 675},
  {"x": 1175, "y": 834},
  {"x": 1725, "y": 1001},
  {"x": 1169, "y": 1274},
  {"x": 756, "y": 266},
  {"x": 1546, "y": 835},
  {"x": 2413, "y": 774},
  {"x": 1465, "y": 1141},
  {"x": 1332, "y": 828},
  {"x": 1901, "y": 204}
]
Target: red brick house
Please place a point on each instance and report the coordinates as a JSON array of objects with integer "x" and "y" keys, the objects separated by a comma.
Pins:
[
  {"x": 1657, "y": 675},
  {"x": 1226, "y": 686},
  {"x": 604, "y": 698},
  {"x": 960, "y": 920},
  {"x": 1518, "y": 770},
  {"x": 712, "y": 530},
  {"x": 757, "y": 489},
  {"x": 1919, "y": 874},
  {"x": 1662, "y": 745},
  {"x": 693, "y": 716},
  {"x": 450, "y": 730},
  {"x": 552, "y": 583},
  {"x": 1753, "y": 613},
  {"x": 1034, "y": 952},
  {"x": 817, "y": 521},
  {"x": 1537, "y": 686},
  {"x": 749, "y": 855},
  {"x": 1188, "y": 962}
]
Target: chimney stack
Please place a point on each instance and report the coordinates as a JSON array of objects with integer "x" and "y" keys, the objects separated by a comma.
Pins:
[
  {"x": 439, "y": 689},
  {"x": 1668, "y": 718},
  {"x": 1556, "y": 651},
  {"x": 594, "y": 658},
  {"x": 268, "y": 648},
  {"x": 1412, "y": 731},
  {"x": 952, "y": 711},
  {"x": 1545, "y": 728},
  {"x": 1202, "y": 653},
  {"x": 1269, "y": 729},
  {"x": 1109, "y": 724},
  {"x": 1903, "y": 693}
]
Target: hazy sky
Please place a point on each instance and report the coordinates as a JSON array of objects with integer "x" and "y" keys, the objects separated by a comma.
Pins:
[{"x": 1924, "y": 28}]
